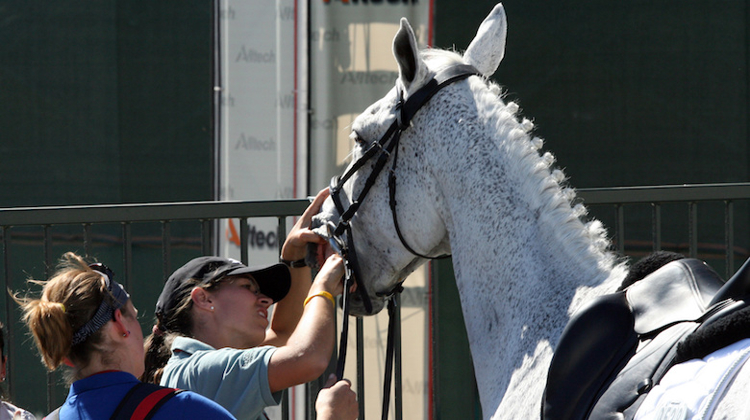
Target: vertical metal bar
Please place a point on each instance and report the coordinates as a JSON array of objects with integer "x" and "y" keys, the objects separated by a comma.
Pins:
[
  {"x": 216, "y": 72},
  {"x": 244, "y": 235},
  {"x": 397, "y": 384},
  {"x": 281, "y": 235},
  {"x": 47, "y": 273},
  {"x": 310, "y": 400},
  {"x": 693, "y": 229},
  {"x": 281, "y": 232},
  {"x": 620, "y": 217},
  {"x": 360, "y": 326},
  {"x": 87, "y": 239},
  {"x": 435, "y": 330},
  {"x": 127, "y": 254},
  {"x": 206, "y": 237},
  {"x": 166, "y": 249},
  {"x": 729, "y": 237},
  {"x": 9, "y": 320},
  {"x": 656, "y": 224}
]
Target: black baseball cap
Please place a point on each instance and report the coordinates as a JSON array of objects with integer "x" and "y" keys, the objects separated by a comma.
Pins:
[{"x": 273, "y": 280}]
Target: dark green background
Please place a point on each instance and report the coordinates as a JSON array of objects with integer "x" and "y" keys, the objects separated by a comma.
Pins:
[{"x": 102, "y": 102}]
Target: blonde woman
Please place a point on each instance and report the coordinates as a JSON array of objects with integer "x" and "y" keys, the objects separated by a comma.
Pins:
[{"x": 86, "y": 320}]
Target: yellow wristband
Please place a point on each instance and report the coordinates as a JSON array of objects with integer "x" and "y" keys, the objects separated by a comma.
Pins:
[{"x": 321, "y": 294}]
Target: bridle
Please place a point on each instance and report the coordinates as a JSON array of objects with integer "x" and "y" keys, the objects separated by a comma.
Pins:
[{"x": 340, "y": 235}]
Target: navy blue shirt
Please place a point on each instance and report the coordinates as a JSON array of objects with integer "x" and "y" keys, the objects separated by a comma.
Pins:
[{"x": 97, "y": 396}]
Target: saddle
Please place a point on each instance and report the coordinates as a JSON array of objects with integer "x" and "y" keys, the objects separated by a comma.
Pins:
[{"x": 616, "y": 348}]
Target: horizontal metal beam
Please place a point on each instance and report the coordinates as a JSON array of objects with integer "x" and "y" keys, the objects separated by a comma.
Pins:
[
  {"x": 149, "y": 212},
  {"x": 665, "y": 193}
]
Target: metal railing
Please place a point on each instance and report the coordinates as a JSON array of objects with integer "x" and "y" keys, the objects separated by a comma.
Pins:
[
  {"x": 727, "y": 194},
  {"x": 127, "y": 215},
  {"x": 207, "y": 213}
]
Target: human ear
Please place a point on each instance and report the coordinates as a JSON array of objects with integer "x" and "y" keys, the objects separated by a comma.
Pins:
[
  {"x": 201, "y": 298},
  {"x": 120, "y": 327}
]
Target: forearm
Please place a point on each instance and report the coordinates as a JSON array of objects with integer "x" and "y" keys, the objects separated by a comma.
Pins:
[
  {"x": 308, "y": 351},
  {"x": 287, "y": 312}
]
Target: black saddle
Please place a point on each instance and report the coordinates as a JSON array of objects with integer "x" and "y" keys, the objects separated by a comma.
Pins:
[{"x": 615, "y": 349}]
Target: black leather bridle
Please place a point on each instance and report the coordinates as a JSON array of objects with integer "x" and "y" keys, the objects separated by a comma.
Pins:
[{"x": 340, "y": 235}]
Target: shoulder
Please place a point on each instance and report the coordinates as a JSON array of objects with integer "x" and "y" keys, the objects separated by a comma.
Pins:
[
  {"x": 225, "y": 358},
  {"x": 208, "y": 369},
  {"x": 189, "y": 405}
]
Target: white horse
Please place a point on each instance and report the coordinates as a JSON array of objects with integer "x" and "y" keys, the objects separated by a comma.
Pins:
[{"x": 472, "y": 182}]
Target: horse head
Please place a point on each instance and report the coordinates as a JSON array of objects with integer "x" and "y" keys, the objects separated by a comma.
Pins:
[{"x": 395, "y": 227}]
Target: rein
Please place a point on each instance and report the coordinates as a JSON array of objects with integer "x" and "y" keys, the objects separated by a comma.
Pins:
[{"x": 340, "y": 235}]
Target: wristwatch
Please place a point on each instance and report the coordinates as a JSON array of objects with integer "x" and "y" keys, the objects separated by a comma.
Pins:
[{"x": 293, "y": 264}]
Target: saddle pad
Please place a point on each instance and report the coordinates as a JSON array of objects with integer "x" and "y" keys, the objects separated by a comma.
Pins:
[{"x": 695, "y": 386}]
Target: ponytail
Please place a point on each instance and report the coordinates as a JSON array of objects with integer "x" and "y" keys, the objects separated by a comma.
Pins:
[
  {"x": 69, "y": 301},
  {"x": 157, "y": 354},
  {"x": 158, "y": 345},
  {"x": 52, "y": 332}
]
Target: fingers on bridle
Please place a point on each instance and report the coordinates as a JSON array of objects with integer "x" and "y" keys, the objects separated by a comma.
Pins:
[
  {"x": 317, "y": 203},
  {"x": 310, "y": 236}
]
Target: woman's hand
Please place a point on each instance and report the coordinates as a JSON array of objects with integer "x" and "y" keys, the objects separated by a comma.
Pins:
[
  {"x": 295, "y": 246},
  {"x": 331, "y": 275},
  {"x": 337, "y": 401}
]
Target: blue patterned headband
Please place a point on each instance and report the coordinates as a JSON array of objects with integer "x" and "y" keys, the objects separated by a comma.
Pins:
[{"x": 106, "y": 309}]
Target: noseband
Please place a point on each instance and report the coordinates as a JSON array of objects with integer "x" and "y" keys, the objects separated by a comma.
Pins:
[{"x": 340, "y": 235}]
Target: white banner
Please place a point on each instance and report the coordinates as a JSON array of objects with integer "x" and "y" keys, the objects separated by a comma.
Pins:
[{"x": 262, "y": 151}]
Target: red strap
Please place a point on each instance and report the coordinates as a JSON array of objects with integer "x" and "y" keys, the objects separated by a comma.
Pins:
[{"x": 149, "y": 402}]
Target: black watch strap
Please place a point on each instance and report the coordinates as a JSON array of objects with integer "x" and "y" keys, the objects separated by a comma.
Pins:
[{"x": 293, "y": 264}]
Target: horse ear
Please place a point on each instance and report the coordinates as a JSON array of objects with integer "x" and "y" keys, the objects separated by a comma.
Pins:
[
  {"x": 405, "y": 50},
  {"x": 487, "y": 49}
]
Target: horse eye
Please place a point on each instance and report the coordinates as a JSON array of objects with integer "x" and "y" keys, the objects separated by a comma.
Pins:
[{"x": 354, "y": 136}]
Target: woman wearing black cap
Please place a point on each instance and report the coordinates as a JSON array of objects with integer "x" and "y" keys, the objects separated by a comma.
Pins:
[
  {"x": 86, "y": 320},
  {"x": 213, "y": 330}
]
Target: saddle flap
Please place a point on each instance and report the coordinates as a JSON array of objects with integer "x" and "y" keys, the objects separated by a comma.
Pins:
[
  {"x": 678, "y": 291},
  {"x": 593, "y": 346}
]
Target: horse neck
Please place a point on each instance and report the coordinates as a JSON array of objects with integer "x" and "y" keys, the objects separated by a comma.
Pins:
[
  {"x": 523, "y": 260},
  {"x": 506, "y": 212},
  {"x": 521, "y": 248}
]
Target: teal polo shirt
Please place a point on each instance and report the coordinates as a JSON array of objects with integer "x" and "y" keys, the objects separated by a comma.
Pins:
[{"x": 237, "y": 379}]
